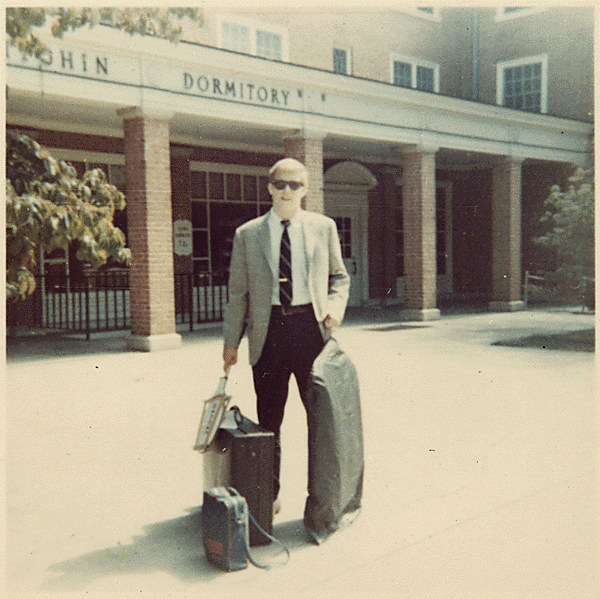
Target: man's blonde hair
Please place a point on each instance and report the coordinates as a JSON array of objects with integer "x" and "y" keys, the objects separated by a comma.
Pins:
[{"x": 288, "y": 166}]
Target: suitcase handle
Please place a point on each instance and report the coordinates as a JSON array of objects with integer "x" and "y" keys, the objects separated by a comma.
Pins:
[
  {"x": 266, "y": 534},
  {"x": 223, "y": 382}
]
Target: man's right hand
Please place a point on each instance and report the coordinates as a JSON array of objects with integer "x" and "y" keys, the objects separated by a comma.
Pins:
[{"x": 230, "y": 356}]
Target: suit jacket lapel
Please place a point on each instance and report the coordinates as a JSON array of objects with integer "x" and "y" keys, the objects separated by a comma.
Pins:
[
  {"x": 310, "y": 242},
  {"x": 264, "y": 240}
]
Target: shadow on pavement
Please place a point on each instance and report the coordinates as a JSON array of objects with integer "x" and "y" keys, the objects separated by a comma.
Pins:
[
  {"x": 570, "y": 341},
  {"x": 173, "y": 546}
]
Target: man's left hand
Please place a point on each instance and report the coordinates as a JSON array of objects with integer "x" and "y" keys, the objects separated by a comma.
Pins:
[{"x": 330, "y": 324}]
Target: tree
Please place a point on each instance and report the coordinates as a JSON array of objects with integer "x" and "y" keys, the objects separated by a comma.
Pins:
[
  {"x": 48, "y": 207},
  {"x": 570, "y": 217},
  {"x": 157, "y": 22}
]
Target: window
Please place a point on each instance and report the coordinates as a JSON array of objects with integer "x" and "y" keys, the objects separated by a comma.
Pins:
[
  {"x": 414, "y": 73},
  {"x": 342, "y": 61},
  {"x": 429, "y": 13},
  {"x": 522, "y": 84},
  {"x": 223, "y": 197},
  {"x": 253, "y": 37},
  {"x": 515, "y": 12}
]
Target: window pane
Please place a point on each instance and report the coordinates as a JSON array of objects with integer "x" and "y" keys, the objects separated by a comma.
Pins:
[
  {"x": 199, "y": 218},
  {"x": 236, "y": 37},
  {"x": 340, "y": 62},
  {"x": 234, "y": 186},
  {"x": 198, "y": 185},
  {"x": 525, "y": 80},
  {"x": 264, "y": 194},
  {"x": 216, "y": 186},
  {"x": 268, "y": 44},
  {"x": 425, "y": 79},
  {"x": 117, "y": 176},
  {"x": 250, "y": 189},
  {"x": 200, "y": 241},
  {"x": 402, "y": 74}
]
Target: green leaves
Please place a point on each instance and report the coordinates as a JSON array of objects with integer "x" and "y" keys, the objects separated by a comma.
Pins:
[
  {"x": 570, "y": 219},
  {"x": 48, "y": 207},
  {"x": 157, "y": 22}
]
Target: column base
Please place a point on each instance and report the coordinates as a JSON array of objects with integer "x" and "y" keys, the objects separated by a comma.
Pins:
[
  {"x": 421, "y": 315},
  {"x": 514, "y": 306},
  {"x": 154, "y": 342}
]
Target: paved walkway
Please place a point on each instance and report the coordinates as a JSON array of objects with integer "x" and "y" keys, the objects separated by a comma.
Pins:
[{"x": 480, "y": 467}]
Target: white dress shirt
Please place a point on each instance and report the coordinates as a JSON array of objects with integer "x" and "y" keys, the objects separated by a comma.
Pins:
[{"x": 301, "y": 292}]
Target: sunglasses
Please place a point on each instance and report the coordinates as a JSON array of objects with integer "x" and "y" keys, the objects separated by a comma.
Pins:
[{"x": 281, "y": 185}]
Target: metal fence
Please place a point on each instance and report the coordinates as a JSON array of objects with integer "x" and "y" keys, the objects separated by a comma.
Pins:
[
  {"x": 101, "y": 302},
  {"x": 533, "y": 281}
]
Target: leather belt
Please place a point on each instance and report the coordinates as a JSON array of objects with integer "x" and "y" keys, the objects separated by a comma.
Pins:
[{"x": 292, "y": 310}]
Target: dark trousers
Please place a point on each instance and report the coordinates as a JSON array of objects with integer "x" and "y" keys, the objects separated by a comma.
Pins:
[{"x": 293, "y": 342}]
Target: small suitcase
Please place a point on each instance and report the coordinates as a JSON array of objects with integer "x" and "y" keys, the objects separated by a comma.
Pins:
[
  {"x": 241, "y": 456},
  {"x": 224, "y": 529},
  {"x": 225, "y": 525}
]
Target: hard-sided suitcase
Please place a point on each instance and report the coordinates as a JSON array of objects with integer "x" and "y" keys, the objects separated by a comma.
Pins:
[
  {"x": 225, "y": 524},
  {"x": 241, "y": 456}
]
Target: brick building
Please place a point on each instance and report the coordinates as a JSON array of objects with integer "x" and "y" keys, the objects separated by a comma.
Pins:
[{"x": 432, "y": 136}]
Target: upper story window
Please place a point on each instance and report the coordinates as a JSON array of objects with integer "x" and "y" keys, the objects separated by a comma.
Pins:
[
  {"x": 430, "y": 13},
  {"x": 522, "y": 83},
  {"x": 342, "y": 60},
  {"x": 253, "y": 37},
  {"x": 415, "y": 73},
  {"x": 505, "y": 13}
]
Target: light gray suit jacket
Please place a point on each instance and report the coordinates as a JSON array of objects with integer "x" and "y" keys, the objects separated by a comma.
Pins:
[{"x": 251, "y": 279}]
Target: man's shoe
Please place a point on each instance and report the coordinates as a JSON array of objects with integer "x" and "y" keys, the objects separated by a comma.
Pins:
[{"x": 276, "y": 506}]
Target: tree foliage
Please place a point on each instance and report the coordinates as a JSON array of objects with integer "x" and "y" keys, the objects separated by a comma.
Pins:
[
  {"x": 570, "y": 219},
  {"x": 21, "y": 23},
  {"x": 48, "y": 207}
]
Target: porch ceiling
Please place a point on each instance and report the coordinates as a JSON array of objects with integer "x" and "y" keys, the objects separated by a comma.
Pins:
[{"x": 96, "y": 118}]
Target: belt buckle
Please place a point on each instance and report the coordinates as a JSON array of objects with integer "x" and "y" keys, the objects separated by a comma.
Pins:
[{"x": 284, "y": 310}]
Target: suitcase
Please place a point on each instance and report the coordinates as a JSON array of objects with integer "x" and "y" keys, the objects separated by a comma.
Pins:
[
  {"x": 224, "y": 529},
  {"x": 335, "y": 443},
  {"x": 241, "y": 456},
  {"x": 225, "y": 520}
]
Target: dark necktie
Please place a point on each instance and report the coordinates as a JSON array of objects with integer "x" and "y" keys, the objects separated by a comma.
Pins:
[{"x": 285, "y": 267}]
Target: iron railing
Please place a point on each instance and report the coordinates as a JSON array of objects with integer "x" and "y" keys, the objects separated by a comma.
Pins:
[{"x": 100, "y": 301}]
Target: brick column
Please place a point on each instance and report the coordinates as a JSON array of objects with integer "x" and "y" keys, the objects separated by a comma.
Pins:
[
  {"x": 418, "y": 211},
  {"x": 506, "y": 236},
  {"x": 307, "y": 147},
  {"x": 149, "y": 225}
]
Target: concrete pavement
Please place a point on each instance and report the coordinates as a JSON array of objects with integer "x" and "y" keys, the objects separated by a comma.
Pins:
[{"x": 480, "y": 467}]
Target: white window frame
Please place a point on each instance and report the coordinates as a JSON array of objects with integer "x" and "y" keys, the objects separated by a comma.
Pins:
[
  {"x": 501, "y": 66},
  {"x": 254, "y": 25},
  {"x": 348, "y": 52},
  {"x": 526, "y": 12},
  {"x": 434, "y": 16},
  {"x": 416, "y": 62}
]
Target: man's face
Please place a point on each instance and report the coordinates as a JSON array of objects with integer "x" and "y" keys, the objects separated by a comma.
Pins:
[{"x": 287, "y": 191}]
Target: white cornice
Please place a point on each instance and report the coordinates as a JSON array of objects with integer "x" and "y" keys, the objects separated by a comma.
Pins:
[{"x": 152, "y": 74}]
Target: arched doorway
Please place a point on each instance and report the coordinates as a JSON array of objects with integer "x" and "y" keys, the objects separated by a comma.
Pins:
[{"x": 346, "y": 194}]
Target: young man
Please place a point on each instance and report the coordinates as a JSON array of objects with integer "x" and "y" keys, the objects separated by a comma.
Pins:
[{"x": 287, "y": 296}]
